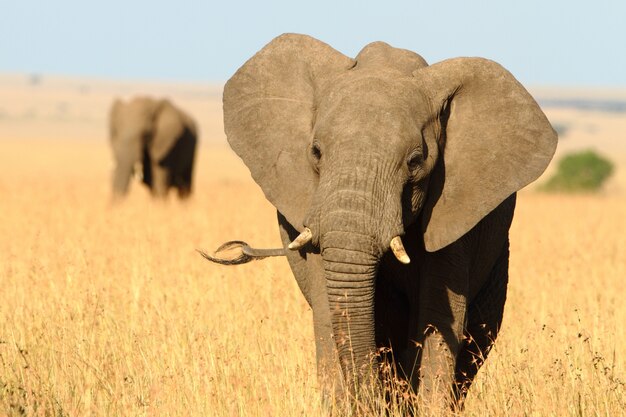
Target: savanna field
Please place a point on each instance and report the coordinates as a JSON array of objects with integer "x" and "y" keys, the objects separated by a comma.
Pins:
[{"x": 110, "y": 311}]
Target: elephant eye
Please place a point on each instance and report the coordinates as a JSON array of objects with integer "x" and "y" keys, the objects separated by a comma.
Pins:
[
  {"x": 414, "y": 161},
  {"x": 316, "y": 152}
]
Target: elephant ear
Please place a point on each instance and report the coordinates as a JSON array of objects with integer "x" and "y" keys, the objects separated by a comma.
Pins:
[
  {"x": 169, "y": 126},
  {"x": 269, "y": 111},
  {"x": 495, "y": 140}
]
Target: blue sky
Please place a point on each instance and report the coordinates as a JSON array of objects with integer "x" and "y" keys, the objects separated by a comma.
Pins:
[{"x": 543, "y": 42}]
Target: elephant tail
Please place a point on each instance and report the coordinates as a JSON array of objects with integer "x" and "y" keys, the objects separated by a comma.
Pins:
[{"x": 245, "y": 255}]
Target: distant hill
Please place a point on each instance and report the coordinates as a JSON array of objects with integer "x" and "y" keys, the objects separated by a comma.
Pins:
[{"x": 611, "y": 106}]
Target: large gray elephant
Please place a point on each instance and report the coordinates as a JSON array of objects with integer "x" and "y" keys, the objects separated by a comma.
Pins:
[
  {"x": 360, "y": 155},
  {"x": 154, "y": 140}
]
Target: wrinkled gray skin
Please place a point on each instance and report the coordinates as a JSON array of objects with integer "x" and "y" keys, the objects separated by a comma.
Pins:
[
  {"x": 362, "y": 150},
  {"x": 154, "y": 140}
]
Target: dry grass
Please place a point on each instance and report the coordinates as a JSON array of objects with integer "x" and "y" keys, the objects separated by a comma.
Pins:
[{"x": 109, "y": 311}]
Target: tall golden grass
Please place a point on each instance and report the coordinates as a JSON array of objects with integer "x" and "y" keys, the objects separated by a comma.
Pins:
[{"x": 109, "y": 311}]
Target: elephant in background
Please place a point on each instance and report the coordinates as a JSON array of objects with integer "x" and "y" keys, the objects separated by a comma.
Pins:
[
  {"x": 395, "y": 186},
  {"x": 155, "y": 140}
]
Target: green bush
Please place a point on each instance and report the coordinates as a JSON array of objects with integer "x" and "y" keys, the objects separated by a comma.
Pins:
[{"x": 584, "y": 171}]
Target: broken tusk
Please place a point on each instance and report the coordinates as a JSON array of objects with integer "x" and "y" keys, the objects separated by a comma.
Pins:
[
  {"x": 302, "y": 239},
  {"x": 398, "y": 250}
]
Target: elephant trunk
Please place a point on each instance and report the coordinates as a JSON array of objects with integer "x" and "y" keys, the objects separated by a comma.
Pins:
[
  {"x": 128, "y": 154},
  {"x": 357, "y": 223},
  {"x": 350, "y": 281},
  {"x": 121, "y": 176},
  {"x": 355, "y": 215}
]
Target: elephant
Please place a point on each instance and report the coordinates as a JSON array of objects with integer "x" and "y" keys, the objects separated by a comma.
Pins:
[
  {"x": 154, "y": 140},
  {"x": 395, "y": 184}
]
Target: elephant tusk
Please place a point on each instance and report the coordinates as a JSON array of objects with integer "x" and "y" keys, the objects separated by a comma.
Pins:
[
  {"x": 302, "y": 239},
  {"x": 398, "y": 250}
]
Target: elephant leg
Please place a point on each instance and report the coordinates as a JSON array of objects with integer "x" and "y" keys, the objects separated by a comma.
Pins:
[
  {"x": 184, "y": 189},
  {"x": 308, "y": 271},
  {"x": 183, "y": 182},
  {"x": 146, "y": 168},
  {"x": 484, "y": 320},
  {"x": 442, "y": 312},
  {"x": 160, "y": 180},
  {"x": 442, "y": 341},
  {"x": 180, "y": 161}
]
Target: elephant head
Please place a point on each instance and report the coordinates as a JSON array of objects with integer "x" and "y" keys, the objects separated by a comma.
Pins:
[
  {"x": 353, "y": 151},
  {"x": 144, "y": 134}
]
